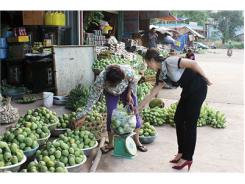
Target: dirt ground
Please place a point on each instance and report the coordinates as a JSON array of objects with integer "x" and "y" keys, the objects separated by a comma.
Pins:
[{"x": 217, "y": 150}]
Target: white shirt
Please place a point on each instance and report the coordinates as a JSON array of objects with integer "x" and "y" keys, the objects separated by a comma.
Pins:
[
  {"x": 112, "y": 40},
  {"x": 171, "y": 69}
]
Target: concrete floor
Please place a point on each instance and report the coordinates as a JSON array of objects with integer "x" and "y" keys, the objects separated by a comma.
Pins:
[{"x": 217, "y": 150}]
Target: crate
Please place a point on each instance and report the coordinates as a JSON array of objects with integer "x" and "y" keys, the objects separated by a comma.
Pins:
[
  {"x": 33, "y": 17},
  {"x": 3, "y": 53}
]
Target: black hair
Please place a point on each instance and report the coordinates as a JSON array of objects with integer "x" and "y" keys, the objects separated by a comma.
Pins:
[
  {"x": 153, "y": 54},
  {"x": 108, "y": 35},
  {"x": 114, "y": 74}
]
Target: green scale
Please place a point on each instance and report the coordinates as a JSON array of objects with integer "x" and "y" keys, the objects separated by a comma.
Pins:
[{"x": 124, "y": 146}]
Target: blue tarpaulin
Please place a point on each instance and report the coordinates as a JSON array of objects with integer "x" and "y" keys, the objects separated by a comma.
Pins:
[{"x": 183, "y": 41}]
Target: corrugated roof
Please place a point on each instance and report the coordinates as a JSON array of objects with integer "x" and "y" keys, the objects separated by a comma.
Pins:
[
  {"x": 194, "y": 32},
  {"x": 174, "y": 25}
]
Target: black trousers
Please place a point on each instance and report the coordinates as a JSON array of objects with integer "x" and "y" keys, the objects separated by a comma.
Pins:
[{"x": 186, "y": 116}]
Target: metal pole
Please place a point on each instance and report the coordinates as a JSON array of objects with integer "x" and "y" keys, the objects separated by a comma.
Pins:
[{"x": 79, "y": 27}]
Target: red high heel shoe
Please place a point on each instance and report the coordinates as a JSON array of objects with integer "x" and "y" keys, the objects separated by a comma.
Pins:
[{"x": 186, "y": 163}]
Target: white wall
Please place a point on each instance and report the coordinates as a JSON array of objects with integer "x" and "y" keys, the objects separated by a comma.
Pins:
[{"x": 73, "y": 65}]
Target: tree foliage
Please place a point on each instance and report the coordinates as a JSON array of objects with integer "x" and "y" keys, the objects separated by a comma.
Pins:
[
  {"x": 193, "y": 16},
  {"x": 228, "y": 22},
  {"x": 92, "y": 18}
]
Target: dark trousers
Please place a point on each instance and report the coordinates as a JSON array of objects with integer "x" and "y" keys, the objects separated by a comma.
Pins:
[{"x": 186, "y": 116}]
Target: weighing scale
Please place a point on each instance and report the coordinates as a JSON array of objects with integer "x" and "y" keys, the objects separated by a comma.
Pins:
[{"x": 124, "y": 146}]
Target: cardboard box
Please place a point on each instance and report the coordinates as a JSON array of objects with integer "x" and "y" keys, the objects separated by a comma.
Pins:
[{"x": 33, "y": 17}]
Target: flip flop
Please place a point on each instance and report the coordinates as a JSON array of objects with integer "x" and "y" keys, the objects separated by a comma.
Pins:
[
  {"x": 105, "y": 149},
  {"x": 142, "y": 148}
]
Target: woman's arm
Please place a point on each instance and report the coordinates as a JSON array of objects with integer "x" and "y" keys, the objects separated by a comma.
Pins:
[
  {"x": 152, "y": 94},
  {"x": 187, "y": 63},
  {"x": 94, "y": 96}
]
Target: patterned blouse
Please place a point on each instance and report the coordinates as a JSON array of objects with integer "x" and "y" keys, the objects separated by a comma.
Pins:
[{"x": 100, "y": 85}]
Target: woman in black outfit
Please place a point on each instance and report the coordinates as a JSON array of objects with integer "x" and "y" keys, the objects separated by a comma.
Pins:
[{"x": 190, "y": 77}]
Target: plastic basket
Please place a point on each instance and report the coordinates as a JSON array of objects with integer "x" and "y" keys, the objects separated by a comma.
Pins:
[
  {"x": 31, "y": 152},
  {"x": 13, "y": 168},
  {"x": 43, "y": 140},
  {"x": 77, "y": 167},
  {"x": 87, "y": 151},
  {"x": 147, "y": 140},
  {"x": 3, "y": 53}
]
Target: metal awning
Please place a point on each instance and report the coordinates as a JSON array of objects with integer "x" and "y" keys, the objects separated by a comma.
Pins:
[
  {"x": 187, "y": 29},
  {"x": 168, "y": 18}
]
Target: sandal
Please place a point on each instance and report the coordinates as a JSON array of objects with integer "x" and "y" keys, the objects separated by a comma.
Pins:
[
  {"x": 142, "y": 148},
  {"x": 106, "y": 149}
]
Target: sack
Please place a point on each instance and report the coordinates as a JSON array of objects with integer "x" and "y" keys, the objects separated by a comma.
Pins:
[
  {"x": 8, "y": 114},
  {"x": 123, "y": 121}
]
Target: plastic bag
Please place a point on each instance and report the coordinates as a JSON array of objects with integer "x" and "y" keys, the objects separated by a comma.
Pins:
[
  {"x": 123, "y": 121},
  {"x": 8, "y": 114}
]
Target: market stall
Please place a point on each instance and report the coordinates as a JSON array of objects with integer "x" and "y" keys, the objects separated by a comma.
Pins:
[{"x": 42, "y": 134}]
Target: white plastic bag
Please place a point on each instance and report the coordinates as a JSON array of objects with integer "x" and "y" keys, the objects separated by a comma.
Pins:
[
  {"x": 8, "y": 114},
  {"x": 122, "y": 121}
]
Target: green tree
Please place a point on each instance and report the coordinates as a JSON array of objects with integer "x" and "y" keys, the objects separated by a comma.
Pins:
[
  {"x": 92, "y": 18},
  {"x": 228, "y": 22},
  {"x": 193, "y": 16}
]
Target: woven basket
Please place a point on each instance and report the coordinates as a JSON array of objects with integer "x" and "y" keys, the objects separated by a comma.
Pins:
[{"x": 150, "y": 78}]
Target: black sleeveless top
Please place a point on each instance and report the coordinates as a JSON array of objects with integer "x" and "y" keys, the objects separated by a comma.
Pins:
[{"x": 191, "y": 82}]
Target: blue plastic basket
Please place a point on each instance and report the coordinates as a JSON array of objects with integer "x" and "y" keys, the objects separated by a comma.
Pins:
[
  {"x": 3, "y": 53},
  {"x": 3, "y": 43},
  {"x": 8, "y": 34},
  {"x": 30, "y": 153},
  {"x": 147, "y": 140}
]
